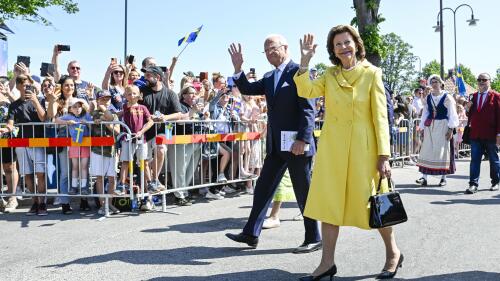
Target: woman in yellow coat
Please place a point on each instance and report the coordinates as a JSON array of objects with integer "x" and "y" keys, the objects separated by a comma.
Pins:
[{"x": 354, "y": 145}]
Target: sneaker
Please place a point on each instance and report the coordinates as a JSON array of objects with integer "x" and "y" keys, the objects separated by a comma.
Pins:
[
  {"x": 146, "y": 205},
  {"x": 271, "y": 223},
  {"x": 245, "y": 175},
  {"x": 101, "y": 211},
  {"x": 66, "y": 209},
  {"x": 42, "y": 210},
  {"x": 73, "y": 191},
  {"x": 229, "y": 190},
  {"x": 84, "y": 205},
  {"x": 158, "y": 185},
  {"x": 85, "y": 191},
  {"x": 494, "y": 187},
  {"x": 216, "y": 196},
  {"x": 471, "y": 189},
  {"x": 11, "y": 205},
  {"x": 182, "y": 202},
  {"x": 33, "y": 210},
  {"x": 152, "y": 188},
  {"x": 221, "y": 178},
  {"x": 119, "y": 190},
  {"x": 113, "y": 209},
  {"x": 422, "y": 181}
]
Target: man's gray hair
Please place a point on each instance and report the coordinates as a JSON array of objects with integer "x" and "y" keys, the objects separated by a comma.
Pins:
[
  {"x": 485, "y": 74},
  {"x": 280, "y": 38}
]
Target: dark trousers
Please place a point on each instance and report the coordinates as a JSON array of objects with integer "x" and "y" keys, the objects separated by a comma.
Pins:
[
  {"x": 477, "y": 148},
  {"x": 273, "y": 169}
]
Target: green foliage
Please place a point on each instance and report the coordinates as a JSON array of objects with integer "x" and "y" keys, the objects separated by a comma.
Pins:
[
  {"x": 495, "y": 82},
  {"x": 430, "y": 68},
  {"x": 29, "y": 9},
  {"x": 469, "y": 77},
  {"x": 373, "y": 40},
  {"x": 10, "y": 74},
  {"x": 321, "y": 68},
  {"x": 398, "y": 64},
  {"x": 433, "y": 67}
]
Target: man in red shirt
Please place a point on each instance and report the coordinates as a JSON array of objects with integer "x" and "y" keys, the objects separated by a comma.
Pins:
[{"x": 484, "y": 115}]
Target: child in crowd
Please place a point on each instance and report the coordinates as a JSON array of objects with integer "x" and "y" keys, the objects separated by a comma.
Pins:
[
  {"x": 79, "y": 155},
  {"x": 138, "y": 118},
  {"x": 102, "y": 158}
]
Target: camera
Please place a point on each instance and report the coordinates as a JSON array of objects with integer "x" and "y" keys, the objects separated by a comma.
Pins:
[
  {"x": 163, "y": 68},
  {"x": 63, "y": 48},
  {"x": 252, "y": 70},
  {"x": 47, "y": 69},
  {"x": 28, "y": 88},
  {"x": 24, "y": 59},
  {"x": 131, "y": 59}
]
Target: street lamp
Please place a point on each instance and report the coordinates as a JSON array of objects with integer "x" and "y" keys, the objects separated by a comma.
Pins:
[
  {"x": 125, "y": 47},
  {"x": 439, "y": 28}
]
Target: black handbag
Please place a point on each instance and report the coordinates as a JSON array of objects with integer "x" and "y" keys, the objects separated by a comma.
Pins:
[
  {"x": 466, "y": 134},
  {"x": 386, "y": 209}
]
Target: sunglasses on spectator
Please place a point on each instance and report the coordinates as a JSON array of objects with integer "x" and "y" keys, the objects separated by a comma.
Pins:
[
  {"x": 118, "y": 72},
  {"x": 482, "y": 79},
  {"x": 75, "y": 67}
]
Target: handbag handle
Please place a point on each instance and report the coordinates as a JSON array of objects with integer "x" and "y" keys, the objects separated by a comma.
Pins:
[{"x": 392, "y": 186}]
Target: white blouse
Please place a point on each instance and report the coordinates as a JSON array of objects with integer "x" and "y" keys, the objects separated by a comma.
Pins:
[{"x": 449, "y": 103}]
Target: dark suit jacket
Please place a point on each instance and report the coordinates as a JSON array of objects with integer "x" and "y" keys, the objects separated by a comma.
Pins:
[
  {"x": 286, "y": 111},
  {"x": 485, "y": 124}
]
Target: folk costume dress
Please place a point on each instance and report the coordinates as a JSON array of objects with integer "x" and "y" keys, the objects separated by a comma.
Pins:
[
  {"x": 437, "y": 154},
  {"x": 355, "y": 132}
]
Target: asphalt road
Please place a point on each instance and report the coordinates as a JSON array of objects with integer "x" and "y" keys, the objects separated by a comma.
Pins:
[{"x": 449, "y": 236}]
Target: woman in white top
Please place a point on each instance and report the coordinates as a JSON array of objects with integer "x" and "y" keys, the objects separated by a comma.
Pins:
[{"x": 439, "y": 119}]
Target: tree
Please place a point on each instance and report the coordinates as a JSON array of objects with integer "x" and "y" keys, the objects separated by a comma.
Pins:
[
  {"x": 397, "y": 64},
  {"x": 29, "y": 9},
  {"x": 495, "y": 82},
  {"x": 367, "y": 20},
  {"x": 321, "y": 68},
  {"x": 432, "y": 67}
]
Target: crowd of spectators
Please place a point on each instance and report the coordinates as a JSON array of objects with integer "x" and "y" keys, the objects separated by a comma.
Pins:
[{"x": 145, "y": 99}]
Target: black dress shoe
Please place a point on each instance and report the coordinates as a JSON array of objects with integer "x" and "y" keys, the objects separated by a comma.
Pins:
[
  {"x": 244, "y": 238},
  {"x": 330, "y": 272},
  {"x": 66, "y": 209},
  {"x": 308, "y": 247},
  {"x": 422, "y": 181},
  {"x": 494, "y": 187},
  {"x": 442, "y": 182},
  {"x": 471, "y": 190},
  {"x": 386, "y": 274}
]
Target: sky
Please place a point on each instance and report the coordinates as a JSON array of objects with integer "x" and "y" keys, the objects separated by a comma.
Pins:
[{"x": 96, "y": 33}]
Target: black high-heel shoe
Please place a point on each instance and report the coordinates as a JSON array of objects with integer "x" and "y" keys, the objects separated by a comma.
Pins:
[
  {"x": 330, "y": 272},
  {"x": 386, "y": 274}
]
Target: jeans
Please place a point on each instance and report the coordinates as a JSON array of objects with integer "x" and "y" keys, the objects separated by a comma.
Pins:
[
  {"x": 477, "y": 148},
  {"x": 62, "y": 164}
]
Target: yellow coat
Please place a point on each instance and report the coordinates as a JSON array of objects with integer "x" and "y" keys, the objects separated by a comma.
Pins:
[{"x": 354, "y": 133}]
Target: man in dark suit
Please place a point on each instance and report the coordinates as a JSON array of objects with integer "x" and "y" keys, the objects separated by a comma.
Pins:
[
  {"x": 484, "y": 116},
  {"x": 286, "y": 112}
]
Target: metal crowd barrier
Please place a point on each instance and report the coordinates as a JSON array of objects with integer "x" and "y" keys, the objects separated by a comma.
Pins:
[
  {"x": 47, "y": 156},
  {"x": 195, "y": 154}
]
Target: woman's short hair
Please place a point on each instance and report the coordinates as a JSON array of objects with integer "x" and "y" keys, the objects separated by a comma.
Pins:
[{"x": 360, "y": 47}]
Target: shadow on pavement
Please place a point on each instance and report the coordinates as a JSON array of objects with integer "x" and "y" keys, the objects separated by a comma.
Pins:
[
  {"x": 291, "y": 204},
  {"x": 203, "y": 227},
  {"x": 460, "y": 276},
  {"x": 472, "y": 201},
  {"x": 426, "y": 190},
  {"x": 180, "y": 256},
  {"x": 265, "y": 274}
]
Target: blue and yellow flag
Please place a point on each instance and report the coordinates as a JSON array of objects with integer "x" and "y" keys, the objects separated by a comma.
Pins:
[
  {"x": 77, "y": 133},
  {"x": 460, "y": 82},
  {"x": 190, "y": 37}
]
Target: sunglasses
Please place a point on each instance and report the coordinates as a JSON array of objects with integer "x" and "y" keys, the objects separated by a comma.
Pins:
[
  {"x": 118, "y": 72},
  {"x": 75, "y": 67},
  {"x": 482, "y": 79}
]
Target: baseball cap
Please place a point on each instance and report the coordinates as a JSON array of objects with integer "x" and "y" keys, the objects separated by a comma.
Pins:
[
  {"x": 189, "y": 73},
  {"x": 74, "y": 101},
  {"x": 102, "y": 94},
  {"x": 154, "y": 69}
]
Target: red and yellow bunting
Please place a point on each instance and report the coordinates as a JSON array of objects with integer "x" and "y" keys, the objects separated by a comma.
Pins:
[
  {"x": 187, "y": 139},
  {"x": 56, "y": 142}
]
